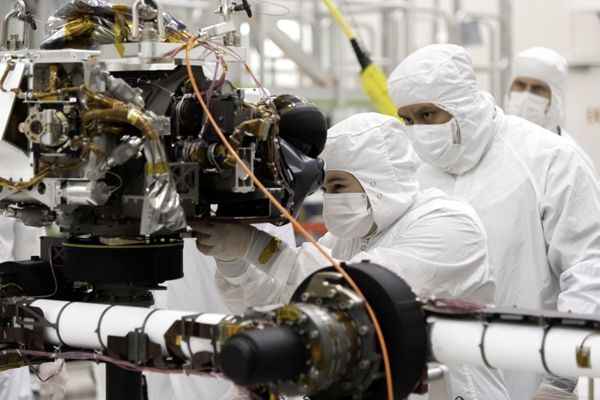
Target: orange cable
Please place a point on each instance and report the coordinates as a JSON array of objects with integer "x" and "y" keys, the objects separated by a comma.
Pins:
[{"x": 294, "y": 222}]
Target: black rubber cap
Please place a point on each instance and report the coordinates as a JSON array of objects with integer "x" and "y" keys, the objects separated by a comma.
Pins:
[
  {"x": 263, "y": 356},
  {"x": 238, "y": 358}
]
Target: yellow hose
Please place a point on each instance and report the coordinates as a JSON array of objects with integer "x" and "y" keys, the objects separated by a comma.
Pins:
[
  {"x": 339, "y": 18},
  {"x": 372, "y": 78}
]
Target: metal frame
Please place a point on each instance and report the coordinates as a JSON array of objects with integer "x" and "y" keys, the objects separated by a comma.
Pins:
[{"x": 328, "y": 74}]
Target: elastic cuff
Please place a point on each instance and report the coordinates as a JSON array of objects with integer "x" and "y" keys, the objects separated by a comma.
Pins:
[{"x": 259, "y": 241}]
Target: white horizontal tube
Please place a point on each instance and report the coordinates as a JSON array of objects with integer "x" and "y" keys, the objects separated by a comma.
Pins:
[
  {"x": 85, "y": 324},
  {"x": 514, "y": 346}
]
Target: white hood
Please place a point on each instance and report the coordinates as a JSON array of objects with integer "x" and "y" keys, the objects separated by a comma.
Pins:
[
  {"x": 375, "y": 150},
  {"x": 550, "y": 67},
  {"x": 442, "y": 74}
]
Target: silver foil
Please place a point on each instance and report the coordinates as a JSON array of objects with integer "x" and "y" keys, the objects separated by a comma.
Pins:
[{"x": 161, "y": 207}]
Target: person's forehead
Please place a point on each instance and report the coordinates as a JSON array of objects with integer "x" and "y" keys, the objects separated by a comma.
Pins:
[
  {"x": 416, "y": 108},
  {"x": 333, "y": 175},
  {"x": 531, "y": 81}
]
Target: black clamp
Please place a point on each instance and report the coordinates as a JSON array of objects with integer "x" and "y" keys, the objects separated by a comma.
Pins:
[
  {"x": 29, "y": 333},
  {"x": 486, "y": 325},
  {"x": 57, "y": 323},
  {"x": 29, "y": 19},
  {"x": 190, "y": 328},
  {"x": 97, "y": 330},
  {"x": 181, "y": 331},
  {"x": 546, "y": 326},
  {"x": 244, "y": 6},
  {"x": 136, "y": 346}
]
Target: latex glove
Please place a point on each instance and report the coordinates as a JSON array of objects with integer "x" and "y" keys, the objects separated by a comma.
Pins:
[
  {"x": 224, "y": 242},
  {"x": 55, "y": 376},
  {"x": 548, "y": 392}
]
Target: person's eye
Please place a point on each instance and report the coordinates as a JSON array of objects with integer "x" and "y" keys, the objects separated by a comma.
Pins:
[
  {"x": 427, "y": 116},
  {"x": 519, "y": 86},
  {"x": 338, "y": 187},
  {"x": 537, "y": 89},
  {"x": 407, "y": 120}
]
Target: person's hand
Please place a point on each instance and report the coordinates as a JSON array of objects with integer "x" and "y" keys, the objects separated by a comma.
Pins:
[
  {"x": 548, "y": 392},
  {"x": 222, "y": 241}
]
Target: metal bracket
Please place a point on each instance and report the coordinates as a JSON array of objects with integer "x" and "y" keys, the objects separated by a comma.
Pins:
[
  {"x": 135, "y": 17},
  {"x": 181, "y": 331},
  {"x": 20, "y": 13}
]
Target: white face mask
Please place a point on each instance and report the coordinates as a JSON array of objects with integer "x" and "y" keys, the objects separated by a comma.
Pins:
[
  {"x": 530, "y": 106},
  {"x": 437, "y": 144},
  {"x": 347, "y": 215}
]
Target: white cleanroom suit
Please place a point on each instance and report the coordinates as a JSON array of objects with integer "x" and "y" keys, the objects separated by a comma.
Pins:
[
  {"x": 433, "y": 241},
  {"x": 548, "y": 66},
  {"x": 537, "y": 198}
]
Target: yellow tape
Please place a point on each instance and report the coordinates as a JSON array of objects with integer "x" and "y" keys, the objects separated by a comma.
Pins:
[
  {"x": 70, "y": 28},
  {"x": 80, "y": 28},
  {"x": 133, "y": 115},
  {"x": 119, "y": 10},
  {"x": 271, "y": 248},
  {"x": 582, "y": 356},
  {"x": 10, "y": 365},
  {"x": 289, "y": 312},
  {"x": 157, "y": 168}
]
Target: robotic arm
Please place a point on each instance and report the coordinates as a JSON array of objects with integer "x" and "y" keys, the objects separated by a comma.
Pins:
[{"x": 320, "y": 345}]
